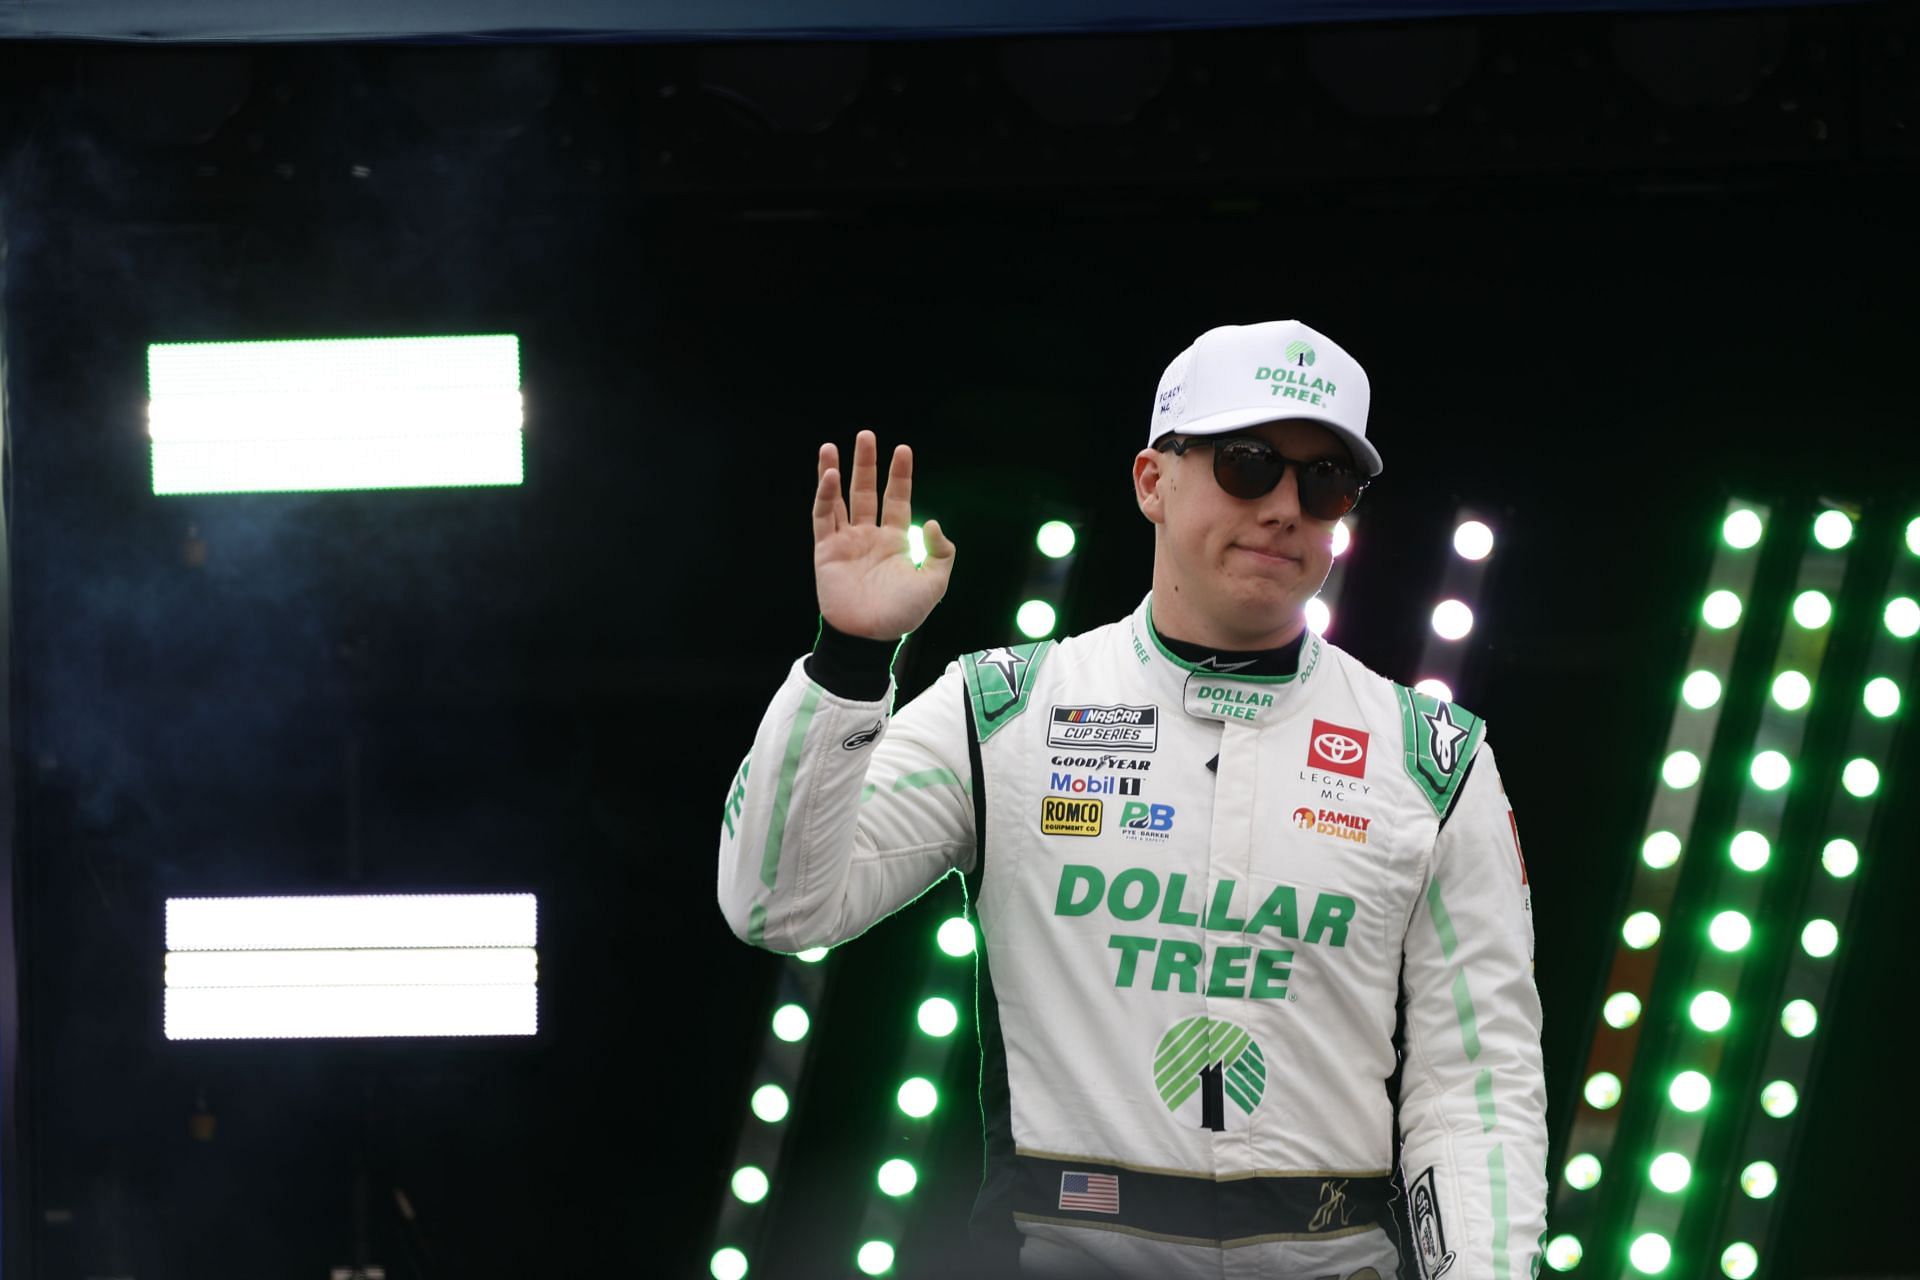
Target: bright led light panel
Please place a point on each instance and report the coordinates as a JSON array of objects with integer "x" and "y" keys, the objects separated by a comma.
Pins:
[
  {"x": 335, "y": 414},
  {"x": 326, "y": 922}
]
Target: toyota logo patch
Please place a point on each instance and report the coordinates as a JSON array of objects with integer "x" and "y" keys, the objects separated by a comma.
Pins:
[{"x": 1337, "y": 749}]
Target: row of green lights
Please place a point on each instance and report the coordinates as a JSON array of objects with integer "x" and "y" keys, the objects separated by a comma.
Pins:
[
  {"x": 1739, "y": 1261},
  {"x": 1831, "y": 529},
  {"x": 1792, "y": 690},
  {"x": 1689, "y": 1091},
  {"x": 1750, "y": 851},
  {"x": 1711, "y": 1011},
  {"x": 1055, "y": 539},
  {"x": 1770, "y": 771}
]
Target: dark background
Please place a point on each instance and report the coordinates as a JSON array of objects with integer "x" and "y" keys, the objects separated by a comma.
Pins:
[{"x": 1602, "y": 271}]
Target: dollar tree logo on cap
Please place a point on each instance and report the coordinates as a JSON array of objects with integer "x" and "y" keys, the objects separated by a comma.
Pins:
[
  {"x": 1211, "y": 1058},
  {"x": 1300, "y": 353}
]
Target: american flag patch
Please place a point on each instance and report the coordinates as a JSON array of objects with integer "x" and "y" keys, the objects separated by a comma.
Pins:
[{"x": 1090, "y": 1192}]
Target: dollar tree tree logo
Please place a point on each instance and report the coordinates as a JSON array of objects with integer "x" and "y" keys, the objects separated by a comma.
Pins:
[
  {"x": 1299, "y": 353},
  {"x": 1202, "y": 1064}
]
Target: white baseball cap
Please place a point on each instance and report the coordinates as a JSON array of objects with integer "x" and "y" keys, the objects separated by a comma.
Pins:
[{"x": 1240, "y": 375}]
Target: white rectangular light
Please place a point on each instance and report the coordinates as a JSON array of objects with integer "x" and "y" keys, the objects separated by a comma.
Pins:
[
  {"x": 345, "y": 413},
  {"x": 352, "y": 965}
]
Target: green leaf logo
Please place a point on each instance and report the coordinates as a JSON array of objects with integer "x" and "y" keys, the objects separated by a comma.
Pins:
[
  {"x": 1212, "y": 1053},
  {"x": 1299, "y": 353}
]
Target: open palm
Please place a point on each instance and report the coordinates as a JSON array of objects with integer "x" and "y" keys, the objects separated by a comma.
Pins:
[{"x": 867, "y": 582}]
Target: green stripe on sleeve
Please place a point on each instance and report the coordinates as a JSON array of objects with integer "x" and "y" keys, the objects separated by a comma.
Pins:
[
  {"x": 1442, "y": 922},
  {"x": 1463, "y": 1005},
  {"x": 926, "y": 778},
  {"x": 1483, "y": 1091},
  {"x": 783, "y": 793},
  {"x": 1497, "y": 1177}
]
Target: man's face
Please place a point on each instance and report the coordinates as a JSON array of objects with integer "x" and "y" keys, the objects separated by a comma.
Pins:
[{"x": 1243, "y": 568}]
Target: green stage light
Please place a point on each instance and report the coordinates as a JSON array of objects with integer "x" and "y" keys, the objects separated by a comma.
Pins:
[
  {"x": 1778, "y": 1099},
  {"x": 1881, "y": 697},
  {"x": 1730, "y": 931},
  {"x": 1434, "y": 689},
  {"x": 1720, "y": 610},
  {"x": 1670, "y": 1171},
  {"x": 1602, "y": 1090},
  {"x": 1812, "y": 609},
  {"x": 1710, "y": 1011},
  {"x": 770, "y": 1103},
  {"x": 1680, "y": 770},
  {"x": 812, "y": 955},
  {"x": 1741, "y": 529},
  {"x": 1700, "y": 690},
  {"x": 1564, "y": 1253},
  {"x": 955, "y": 937},
  {"x": 875, "y": 1257},
  {"x": 937, "y": 1016},
  {"x": 1583, "y": 1172},
  {"x": 1913, "y": 535},
  {"x": 1318, "y": 616},
  {"x": 1690, "y": 1091},
  {"x": 1749, "y": 850},
  {"x": 1832, "y": 529},
  {"x": 1621, "y": 1010},
  {"x": 1660, "y": 850},
  {"x": 917, "y": 544},
  {"x": 1035, "y": 619},
  {"x": 1473, "y": 540},
  {"x": 1792, "y": 690},
  {"x": 1759, "y": 1179},
  {"x": 1841, "y": 858},
  {"x": 1641, "y": 930},
  {"x": 1902, "y": 616},
  {"x": 898, "y": 1177},
  {"x": 1770, "y": 771},
  {"x": 1650, "y": 1254},
  {"x": 1820, "y": 937},
  {"x": 1799, "y": 1018},
  {"x": 790, "y": 1023},
  {"x": 1739, "y": 1260},
  {"x": 1055, "y": 539},
  {"x": 918, "y": 1097},
  {"x": 750, "y": 1184},
  {"x": 1861, "y": 778},
  {"x": 727, "y": 1264}
]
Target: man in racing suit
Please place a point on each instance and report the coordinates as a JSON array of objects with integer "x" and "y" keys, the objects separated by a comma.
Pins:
[{"x": 1230, "y": 883}]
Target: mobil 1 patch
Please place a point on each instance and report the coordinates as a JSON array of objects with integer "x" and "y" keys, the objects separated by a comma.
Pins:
[{"x": 1119, "y": 728}]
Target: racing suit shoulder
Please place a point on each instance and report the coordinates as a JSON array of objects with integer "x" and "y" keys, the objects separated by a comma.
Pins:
[
  {"x": 843, "y": 812},
  {"x": 1000, "y": 681}
]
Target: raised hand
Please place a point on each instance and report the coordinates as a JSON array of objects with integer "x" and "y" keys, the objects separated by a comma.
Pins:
[{"x": 867, "y": 582}]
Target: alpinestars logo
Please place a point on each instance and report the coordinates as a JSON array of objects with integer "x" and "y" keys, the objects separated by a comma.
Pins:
[
  {"x": 1337, "y": 749},
  {"x": 1443, "y": 738},
  {"x": 1212, "y": 663},
  {"x": 1202, "y": 1064},
  {"x": 1010, "y": 665}
]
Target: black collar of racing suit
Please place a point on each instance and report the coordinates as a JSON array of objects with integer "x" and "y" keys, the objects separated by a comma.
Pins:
[{"x": 1283, "y": 661}]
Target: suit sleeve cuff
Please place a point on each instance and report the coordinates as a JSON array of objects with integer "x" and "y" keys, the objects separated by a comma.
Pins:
[{"x": 851, "y": 667}]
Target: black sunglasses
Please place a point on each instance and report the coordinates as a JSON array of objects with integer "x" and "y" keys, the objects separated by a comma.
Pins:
[{"x": 1249, "y": 467}]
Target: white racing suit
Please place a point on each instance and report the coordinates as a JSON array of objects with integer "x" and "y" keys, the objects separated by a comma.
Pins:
[{"x": 1209, "y": 907}]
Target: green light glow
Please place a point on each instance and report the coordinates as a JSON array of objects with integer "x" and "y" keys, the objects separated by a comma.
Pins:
[
  {"x": 1670, "y": 1172},
  {"x": 917, "y": 544},
  {"x": 1730, "y": 931},
  {"x": 1749, "y": 850},
  {"x": 1564, "y": 1253},
  {"x": 898, "y": 1177},
  {"x": 1820, "y": 938},
  {"x": 1770, "y": 771},
  {"x": 1759, "y": 1179},
  {"x": 1799, "y": 1019},
  {"x": 728, "y": 1264},
  {"x": 770, "y": 1103},
  {"x": 1583, "y": 1172},
  {"x": 937, "y": 1016},
  {"x": 1913, "y": 535},
  {"x": 1739, "y": 1260},
  {"x": 1861, "y": 778},
  {"x": 812, "y": 955},
  {"x": 790, "y": 1023},
  {"x": 1641, "y": 930},
  {"x": 1055, "y": 539},
  {"x": 1621, "y": 1010},
  {"x": 955, "y": 937},
  {"x": 1650, "y": 1254},
  {"x": 875, "y": 1257},
  {"x": 1741, "y": 529},
  {"x": 1881, "y": 697},
  {"x": 1710, "y": 1011},
  {"x": 1832, "y": 529},
  {"x": 1700, "y": 690},
  {"x": 1660, "y": 850},
  {"x": 1779, "y": 1099},
  {"x": 1690, "y": 1091},
  {"x": 1035, "y": 619},
  {"x": 1812, "y": 609},
  {"x": 1602, "y": 1090},
  {"x": 1841, "y": 858},
  {"x": 1792, "y": 690},
  {"x": 918, "y": 1097},
  {"x": 1680, "y": 770},
  {"x": 750, "y": 1184},
  {"x": 1720, "y": 610},
  {"x": 1902, "y": 616}
]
